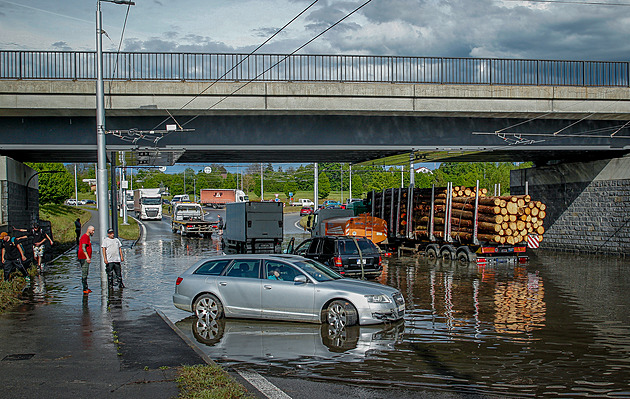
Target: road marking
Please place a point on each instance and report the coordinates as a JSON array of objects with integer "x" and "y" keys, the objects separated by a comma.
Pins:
[{"x": 263, "y": 385}]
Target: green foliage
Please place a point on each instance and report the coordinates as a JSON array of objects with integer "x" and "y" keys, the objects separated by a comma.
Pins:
[
  {"x": 357, "y": 187},
  {"x": 323, "y": 188},
  {"x": 208, "y": 381},
  {"x": 290, "y": 187},
  {"x": 54, "y": 188}
]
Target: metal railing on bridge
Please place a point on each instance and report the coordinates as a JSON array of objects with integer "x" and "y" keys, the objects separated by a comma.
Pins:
[{"x": 79, "y": 65}]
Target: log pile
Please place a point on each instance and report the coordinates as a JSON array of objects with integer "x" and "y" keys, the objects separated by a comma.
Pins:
[{"x": 501, "y": 219}]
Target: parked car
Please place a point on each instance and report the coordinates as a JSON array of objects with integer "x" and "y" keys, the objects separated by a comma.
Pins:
[
  {"x": 341, "y": 254},
  {"x": 257, "y": 287},
  {"x": 306, "y": 210},
  {"x": 90, "y": 202},
  {"x": 331, "y": 204},
  {"x": 71, "y": 201}
]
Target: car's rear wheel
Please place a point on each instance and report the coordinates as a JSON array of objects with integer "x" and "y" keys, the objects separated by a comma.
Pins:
[
  {"x": 208, "y": 306},
  {"x": 341, "y": 313}
]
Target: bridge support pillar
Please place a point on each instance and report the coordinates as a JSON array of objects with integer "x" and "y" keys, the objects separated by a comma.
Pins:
[
  {"x": 14, "y": 195},
  {"x": 588, "y": 204}
]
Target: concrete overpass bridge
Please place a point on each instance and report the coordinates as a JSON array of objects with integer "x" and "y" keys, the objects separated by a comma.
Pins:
[
  {"x": 314, "y": 108},
  {"x": 307, "y": 108}
]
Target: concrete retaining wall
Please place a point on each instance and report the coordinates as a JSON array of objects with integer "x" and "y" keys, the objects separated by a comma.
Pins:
[
  {"x": 588, "y": 204},
  {"x": 19, "y": 205}
]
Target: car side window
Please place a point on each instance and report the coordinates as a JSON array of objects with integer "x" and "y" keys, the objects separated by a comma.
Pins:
[
  {"x": 247, "y": 268},
  {"x": 314, "y": 244},
  {"x": 302, "y": 249},
  {"x": 212, "y": 268},
  {"x": 275, "y": 270},
  {"x": 329, "y": 246}
]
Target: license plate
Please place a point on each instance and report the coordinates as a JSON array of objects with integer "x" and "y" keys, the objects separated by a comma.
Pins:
[{"x": 359, "y": 261}]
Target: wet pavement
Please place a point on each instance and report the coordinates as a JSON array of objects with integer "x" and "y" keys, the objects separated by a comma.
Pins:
[{"x": 557, "y": 326}]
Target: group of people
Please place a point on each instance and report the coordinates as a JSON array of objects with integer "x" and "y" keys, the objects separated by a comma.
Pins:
[
  {"x": 111, "y": 249},
  {"x": 13, "y": 254}
]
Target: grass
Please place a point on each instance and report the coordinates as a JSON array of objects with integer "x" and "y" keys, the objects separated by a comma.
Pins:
[
  {"x": 208, "y": 382},
  {"x": 10, "y": 291},
  {"x": 129, "y": 232}
]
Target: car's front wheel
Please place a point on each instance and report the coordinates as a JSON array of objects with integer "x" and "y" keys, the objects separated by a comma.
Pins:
[
  {"x": 341, "y": 313},
  {"x": 208, "y": 306}
]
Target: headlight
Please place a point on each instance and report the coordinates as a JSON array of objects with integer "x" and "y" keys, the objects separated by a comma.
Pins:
[{"x": 378, "y": 298}]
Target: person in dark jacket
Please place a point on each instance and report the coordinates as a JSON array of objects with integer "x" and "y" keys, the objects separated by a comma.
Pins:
[
  {"x": 12, "y": 256},
  {"x": 77, "y": 229}
]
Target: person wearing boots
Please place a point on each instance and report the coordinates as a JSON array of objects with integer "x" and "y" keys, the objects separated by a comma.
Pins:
[
  {"x": 112, "y": 256},
  {"x": 12, "y": 256},
  {"x": 84, "y": 254}
]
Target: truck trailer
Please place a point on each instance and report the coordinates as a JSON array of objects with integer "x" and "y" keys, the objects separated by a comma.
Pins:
[
  {"x": 253, "y": 227},
  {"x": 218, "y": 197},
  {"x": 450, "y": 223},
  {"x": 147, "y": 203}
]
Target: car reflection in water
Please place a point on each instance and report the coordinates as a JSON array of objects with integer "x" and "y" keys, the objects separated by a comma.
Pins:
[{"x": 261, "y": 342}]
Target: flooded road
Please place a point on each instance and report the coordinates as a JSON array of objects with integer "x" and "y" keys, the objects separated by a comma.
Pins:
[{"x": 558, "y": 326}]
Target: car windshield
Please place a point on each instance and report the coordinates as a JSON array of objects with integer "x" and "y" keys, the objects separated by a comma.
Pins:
[
  {"x": 151, "y": 201},
  {"x": 318, "y": 271}
]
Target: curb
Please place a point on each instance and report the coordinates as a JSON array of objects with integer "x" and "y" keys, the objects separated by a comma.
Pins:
[
  {"x": 187, "y": 340},
  {"x": 142, "y": 229}
]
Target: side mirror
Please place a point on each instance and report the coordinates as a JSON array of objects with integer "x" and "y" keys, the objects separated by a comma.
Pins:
[{"x": 300, "y": 279}]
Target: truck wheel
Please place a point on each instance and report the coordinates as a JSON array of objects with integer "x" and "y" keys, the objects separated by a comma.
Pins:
[
  {"x": 465, "y": 255},
  {"x": 208, "y": 306},
  {"x": 432, "y": 252},
  {"x": 447, "y": 252},
  {"x": 341, "y": 314}
]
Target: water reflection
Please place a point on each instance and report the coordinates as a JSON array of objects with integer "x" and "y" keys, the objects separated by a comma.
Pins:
[{"x": 282, "y": 344}]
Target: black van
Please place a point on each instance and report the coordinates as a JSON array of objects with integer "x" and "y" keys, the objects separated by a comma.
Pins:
[{"x": 342, "y": 254}]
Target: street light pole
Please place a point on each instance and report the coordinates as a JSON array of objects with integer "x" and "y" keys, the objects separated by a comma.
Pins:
[{"x": 101, "y": 172}]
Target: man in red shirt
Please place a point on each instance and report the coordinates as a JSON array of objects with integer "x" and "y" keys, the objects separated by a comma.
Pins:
[{"x": 85, "y": 257}]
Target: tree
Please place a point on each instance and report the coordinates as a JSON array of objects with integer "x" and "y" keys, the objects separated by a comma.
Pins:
[
  {"x": 290, "y": 187},
  {"x": 324, "y": 185},
  {"x": 54, "y": 188},
  {"x": 357, "y": 187}
]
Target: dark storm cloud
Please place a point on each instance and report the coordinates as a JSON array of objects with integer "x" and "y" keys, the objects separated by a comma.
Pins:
[{"x": 482, "y": 28}]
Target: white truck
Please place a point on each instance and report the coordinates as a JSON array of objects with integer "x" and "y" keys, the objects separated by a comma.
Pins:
[
  {"x": 303, "y": 202},
  {"x": 147, "y": 203}
]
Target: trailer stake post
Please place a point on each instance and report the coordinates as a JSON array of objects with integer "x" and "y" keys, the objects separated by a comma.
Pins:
[{"x": 475, "y": 227}]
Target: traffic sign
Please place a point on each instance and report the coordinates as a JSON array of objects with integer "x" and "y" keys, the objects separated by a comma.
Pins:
[
  {"x": 207, "y": 170},
  {"x": 533, "y": 242},
  {"x": 162, "y": 168}
]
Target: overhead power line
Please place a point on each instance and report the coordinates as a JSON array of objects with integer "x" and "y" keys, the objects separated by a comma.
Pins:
[
  {"x": 241, "y": 61},
  {"x": 281, "y": 60}
]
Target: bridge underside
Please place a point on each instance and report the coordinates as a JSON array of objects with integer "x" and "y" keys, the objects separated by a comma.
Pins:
[{"x": 317, "y": 138}]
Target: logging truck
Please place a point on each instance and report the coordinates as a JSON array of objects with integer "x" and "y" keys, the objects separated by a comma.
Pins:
[{"x": 459, "y": 223}]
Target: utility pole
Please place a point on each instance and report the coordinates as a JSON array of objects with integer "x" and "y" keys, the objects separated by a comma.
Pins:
[
  {"x": 101, "y": 173},
  {"x": 76, "y": 191},
  {"x": 350, "y": 188},
  {"x": 412, "y": 170},
  {"x": 261, "y": 183},
  {"x": 316, "y": 186}
]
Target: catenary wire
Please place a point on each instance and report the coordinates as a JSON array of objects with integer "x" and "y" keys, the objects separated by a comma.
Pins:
[
  {"x": 241, "y": 61},
  {"x": 122, "y": 36},
  {"x": 281, "y": 60}
]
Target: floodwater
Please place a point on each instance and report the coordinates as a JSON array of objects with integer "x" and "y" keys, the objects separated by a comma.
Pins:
[{"x": 557, "y": 326}]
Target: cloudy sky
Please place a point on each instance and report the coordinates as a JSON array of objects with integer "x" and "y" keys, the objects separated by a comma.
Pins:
[{"x": 455, "y": 28}]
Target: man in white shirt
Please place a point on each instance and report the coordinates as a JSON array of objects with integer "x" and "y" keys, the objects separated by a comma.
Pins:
[{"x": 112, "y": 256}]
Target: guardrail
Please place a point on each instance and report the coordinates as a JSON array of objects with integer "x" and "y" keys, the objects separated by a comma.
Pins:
[{"x": 81, "y": 65}]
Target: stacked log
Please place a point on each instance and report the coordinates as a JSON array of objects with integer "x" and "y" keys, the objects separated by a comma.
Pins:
[{"x": 501, "y": 219}]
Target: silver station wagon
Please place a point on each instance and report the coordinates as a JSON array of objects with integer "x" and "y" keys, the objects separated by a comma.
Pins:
[{"x": 283, "y": 287}]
